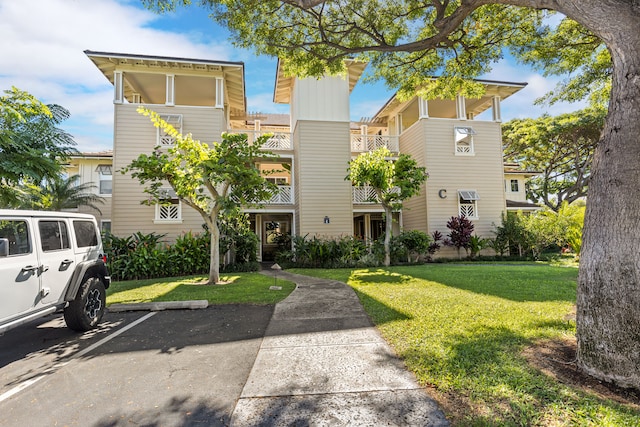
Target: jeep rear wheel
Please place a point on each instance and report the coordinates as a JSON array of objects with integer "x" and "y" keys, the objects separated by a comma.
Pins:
[{"x": 86, "y": 310}]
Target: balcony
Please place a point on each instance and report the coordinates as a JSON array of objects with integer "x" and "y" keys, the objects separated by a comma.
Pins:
[
  {"x": 364, "y": 195},
  {"x": 364, "y": 143},
  {"x": 284, "y": 196},
  {"x": 278, "y": 140}
]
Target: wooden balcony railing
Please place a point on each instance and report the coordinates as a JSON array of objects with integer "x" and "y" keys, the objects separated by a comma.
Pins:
[
  {"x": 284, "y": 196},
  {"x": 364, "y": 143},
  {"x": 277, "y": 141}
]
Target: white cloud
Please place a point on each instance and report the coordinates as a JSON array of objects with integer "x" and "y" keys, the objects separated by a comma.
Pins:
[
  {"x": 43, "y": 43},
  {"x": 521, "y": 104}
]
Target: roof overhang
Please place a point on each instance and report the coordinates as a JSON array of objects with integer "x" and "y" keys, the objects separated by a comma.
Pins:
[
  {"x": 284, "y": 84},
  {"x": 475, "y": 106},
  {"x": 233, "y": 72}
]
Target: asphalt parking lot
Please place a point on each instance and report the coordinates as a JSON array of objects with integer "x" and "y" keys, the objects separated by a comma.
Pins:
[{"x": 167, "y": 368}]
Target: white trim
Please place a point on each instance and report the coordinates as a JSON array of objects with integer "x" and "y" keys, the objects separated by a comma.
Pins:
[
  {"x": 219, "y": 92},
  {"x": 423, "y": 108},
  {"x": 118, "y": 87},
  {"x": 463, "y": 141},
  {"x": 461, "y": 108},
  {"x": 170, "y": 99},
  {"x": 471, "y": 198},
  {"x": 495, "y": 104}
]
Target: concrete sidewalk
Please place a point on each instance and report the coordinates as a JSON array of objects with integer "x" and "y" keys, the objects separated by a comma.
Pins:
[{"x": 322, "y": 363}]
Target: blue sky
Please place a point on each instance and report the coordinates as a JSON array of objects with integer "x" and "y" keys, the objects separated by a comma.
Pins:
[{"x": 42, "y": 44}]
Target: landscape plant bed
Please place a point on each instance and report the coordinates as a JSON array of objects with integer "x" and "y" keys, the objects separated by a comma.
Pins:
[
  {"x": 237, "y": 288},
  {"x": 484, "y": 339}
]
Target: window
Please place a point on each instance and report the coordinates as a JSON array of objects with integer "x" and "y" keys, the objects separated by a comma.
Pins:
[
  {"x": 54, "y": 235},
  {"x": 514, "y": 186},
  {"x": 15, "y": 235},
  {"x": 105, "y": 226},
  {"x": 106, "y": 176},
  {"x": 86, "y": 234},
  {"x": 170, "y": 209},
  {"x": 165, "y": 139},
  {"x": 463, "y": 140},
  {"x": 468, "y": 203},
  {"x": 277, "y": 180}
]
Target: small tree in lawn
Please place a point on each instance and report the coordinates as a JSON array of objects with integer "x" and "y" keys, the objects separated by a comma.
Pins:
[
  {"x": 212, "y": 179},
  {"x": 460, "y": 233},
  {"x": 392, "y": 181}
]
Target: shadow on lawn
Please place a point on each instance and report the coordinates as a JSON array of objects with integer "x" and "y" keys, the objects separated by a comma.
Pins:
[{"x": 487, "y": 364}]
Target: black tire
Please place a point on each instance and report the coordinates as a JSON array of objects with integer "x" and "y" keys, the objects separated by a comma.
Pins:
[{"x": 86, "y": 310}]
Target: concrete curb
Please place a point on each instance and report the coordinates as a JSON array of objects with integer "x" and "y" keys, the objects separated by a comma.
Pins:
[{"x": 159, "y": 306}]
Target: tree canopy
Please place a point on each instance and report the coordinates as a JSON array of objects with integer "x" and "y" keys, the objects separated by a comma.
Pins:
[
  {"x": 561, "y": 148},
  {"x": 32, "y": 146},
  {"x": 215, "y": 180}
]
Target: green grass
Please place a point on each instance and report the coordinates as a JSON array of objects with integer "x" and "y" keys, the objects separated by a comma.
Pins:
[
  {"x": 461, "y": 329},
  {"x": 243, "y": 288}
]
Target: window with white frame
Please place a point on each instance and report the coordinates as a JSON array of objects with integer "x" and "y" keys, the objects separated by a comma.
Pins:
[
  {"x": 468, "y": 203},
  {"x": 277, "y": 180},
  {"x": 170, "y": 209},
  {"x": 515, "y": 187},
  {"x": 164, "y": 138},
  {"x": 106, "y": 179},
  {"x": 463, "y": 137}
]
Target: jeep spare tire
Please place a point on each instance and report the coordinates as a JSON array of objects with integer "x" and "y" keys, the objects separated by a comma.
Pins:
[{"x": 86, "y": 310}]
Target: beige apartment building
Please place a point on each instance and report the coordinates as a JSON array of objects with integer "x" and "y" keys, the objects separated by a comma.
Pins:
[
  {"x": 96, "y": 169},
  {"x": 458, "y": 141}
]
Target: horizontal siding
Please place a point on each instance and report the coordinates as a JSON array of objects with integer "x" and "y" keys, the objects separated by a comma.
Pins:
[
  {"x": 414, "y": 212},
  {"x": 134, "y": 134},
  {"x": 324, "y": 99},
  {"x": 482, "y": 172},
  {"x": 321, "y": 160}
]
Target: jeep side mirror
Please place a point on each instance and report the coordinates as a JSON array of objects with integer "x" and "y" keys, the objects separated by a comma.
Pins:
[{"x": 4, "y": 248}]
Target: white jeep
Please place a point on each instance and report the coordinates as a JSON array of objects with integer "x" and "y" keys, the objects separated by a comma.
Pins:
[{"x": 51, "y": 261}]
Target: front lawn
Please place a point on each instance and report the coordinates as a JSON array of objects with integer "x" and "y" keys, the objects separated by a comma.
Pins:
[
  {"x": 464, "y": 331},
  {"x": 242, "y": 288}
]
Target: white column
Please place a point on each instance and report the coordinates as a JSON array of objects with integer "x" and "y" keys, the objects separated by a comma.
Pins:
[
  {"x": 423, "y": 107},
  {"x": 367, "y": 227},
  {"x": 219, "y": 92},
  {"x": 256, "y": 125},
  {"x": 136, "y": 99},
  {"x": 171, "y": 90},
  {"x": 461, "y": 109},
  {"x": 495, "y": 104},
  {"x": 118, "y": 88},
  {"x": 399, "y": 124}
]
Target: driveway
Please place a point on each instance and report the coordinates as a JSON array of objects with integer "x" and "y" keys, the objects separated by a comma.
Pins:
[{"x": 167, "y": 368}]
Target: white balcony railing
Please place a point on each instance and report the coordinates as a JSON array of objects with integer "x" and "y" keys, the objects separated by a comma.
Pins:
[
  {"x": 277, "y": 141},
  {"x": 283, "y": 196},
  {"x": 367, "y": 195},
  {"x": 364, "y": 195},
  {"x": 364, "y": 143}
]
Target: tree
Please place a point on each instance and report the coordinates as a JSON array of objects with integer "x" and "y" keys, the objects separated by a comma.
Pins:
[
  {"x": 214, "y": 180},
  {"x": 393, "y": 182},
  {"x": 460, "y": 231},
  {"x": 407, "y": 42},
  {"x": 31, "y": 145},
  {"x": 61, "y": 193},
  {"x": 561, "y": 148}
]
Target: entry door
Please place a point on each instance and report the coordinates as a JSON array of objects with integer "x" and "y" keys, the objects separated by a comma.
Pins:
[
  {"x": 58, "y": 259},
  {"x": 19, "y": 278}
]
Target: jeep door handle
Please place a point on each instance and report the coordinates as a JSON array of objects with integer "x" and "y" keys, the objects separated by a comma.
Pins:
[
  {"x": 67, "y": 261},
  {"x": 29, "y": 268}
]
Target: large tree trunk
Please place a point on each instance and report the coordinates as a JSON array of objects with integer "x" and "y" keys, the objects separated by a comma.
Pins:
[{"x": 608, "y": 304}]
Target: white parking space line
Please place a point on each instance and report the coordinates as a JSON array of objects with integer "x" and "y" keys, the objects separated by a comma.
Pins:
[{"x": 6, "y": 395}]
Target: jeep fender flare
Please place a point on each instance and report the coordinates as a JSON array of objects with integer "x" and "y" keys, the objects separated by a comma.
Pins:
[{"x": 95, "y": 268}]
